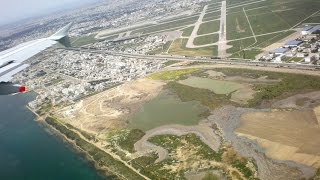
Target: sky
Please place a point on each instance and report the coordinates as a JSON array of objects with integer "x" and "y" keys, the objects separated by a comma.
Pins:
[{"x": 15, "y": 10}]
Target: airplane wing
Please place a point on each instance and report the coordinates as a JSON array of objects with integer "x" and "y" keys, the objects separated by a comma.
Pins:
[{"x": 11, "y": 60}]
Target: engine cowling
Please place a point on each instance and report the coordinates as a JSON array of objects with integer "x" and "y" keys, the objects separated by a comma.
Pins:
[{"x": 10, "y": 88}]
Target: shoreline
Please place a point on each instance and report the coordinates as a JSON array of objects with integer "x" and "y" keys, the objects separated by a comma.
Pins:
[
  {"x": 76, "y": 149},
  {"x": 103, "y": 172},
  {"x": 30, "y": 109},
  {"x": 79, "y": 151},
  {"x": 103, "y": 161}
]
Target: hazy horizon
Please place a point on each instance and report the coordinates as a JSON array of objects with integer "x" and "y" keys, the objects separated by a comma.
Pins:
[{"x": 13, "y": 10}]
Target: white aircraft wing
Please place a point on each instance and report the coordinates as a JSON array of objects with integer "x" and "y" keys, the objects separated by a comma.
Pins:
[{"x": 11, "y": 60}]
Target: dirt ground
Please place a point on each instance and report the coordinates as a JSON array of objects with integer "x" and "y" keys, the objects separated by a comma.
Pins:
[
  {"x": 299, "y": 102},
  {"x": 286, "y": 135},
  {"x": 228, "y": 120},
  {"x": 201, "y": 175},
  {"x": 203, "y": 130},
  {"x": 110, "y": 108}
]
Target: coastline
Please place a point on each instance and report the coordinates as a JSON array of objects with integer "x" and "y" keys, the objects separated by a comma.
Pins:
[
  {"x": 103, "y": 161},
  {"x": 37, "y": 115},
  {"x": 78, "y": 150},
  {"x": 105, "y": 173}
]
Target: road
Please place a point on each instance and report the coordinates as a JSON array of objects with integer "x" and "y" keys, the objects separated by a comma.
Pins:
[
  {"x": 222, "y": 44},
  {"x": 231, "y": 61}
]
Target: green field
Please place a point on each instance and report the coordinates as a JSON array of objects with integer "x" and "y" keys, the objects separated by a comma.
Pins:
[
  {"x": 269, "y": 16},
  {"x": 249, "y": 48},
  {"x": 240, "y": 45},
  {"x": 187, "y": 31},
  {"x": 204, "y": 96},
  {"x": 209, "y": 16},
  {"x": 237, "y": 26},
  {"x": 167, "y": 109},
  {"x": 264, "y": 41},
  {"x": 209, "y": 27},
  {"x": 290, "y": 84},
  {"x": 178, "y": 47},
  {"x": 217, "y": 86},
  {"x": 292, "y": 59},
  {"x": 172, "y": 75},
  {"x": 265, "y": 23},
  {"x": 85, "y": 40},
  {"x": 207, "y": 39},
  {"x": 313, "y": 19},
  {"x": 168, "y": 63},
  {"x": 125, "y": 138}
]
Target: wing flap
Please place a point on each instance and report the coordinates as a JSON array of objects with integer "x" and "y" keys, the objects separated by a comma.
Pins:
[
  {"x": 23, "y": 53},
  {"x": 11, "y": 60},
  {"x": 10, "y": 70}
]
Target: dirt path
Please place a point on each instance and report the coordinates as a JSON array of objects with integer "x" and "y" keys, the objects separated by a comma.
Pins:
[{"x": 203, "y": 130}]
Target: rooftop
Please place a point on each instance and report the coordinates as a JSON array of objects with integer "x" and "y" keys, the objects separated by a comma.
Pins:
[
  {"x": 307, "y": 28},
  {"x": 312, "y": 29},
  {"x": 279, "y": 50},
  {"x": 294, "y": 43},
  {"x": 315, "y": 29}
]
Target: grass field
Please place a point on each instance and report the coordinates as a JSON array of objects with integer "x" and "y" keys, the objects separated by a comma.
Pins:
[
  {"x": 266, "y": 40},
  {"x": 85, "y": 40},
  {"x": 207, "y": 39},
  {"x": 237, "y": 26},
  {"x": 168, "y": 63},
  {"x": 292, "y": 59},
  {"x": 270, "y": 16},
  {"x": 290, "y": 84},
  {"x": 187, "y": 31},
  {"x": 211, "y": 16},
  {"x": 209, "y": 27},
  {"x": 171, "y": 75},
  {"x": 248, "y": 48},
  {"x": 240, "y": 45},
  {"x": 204, "y": 96},
  {"x": 313, "y": 19},
  {"x": 217, "y": 86},
  {"x": 246, "y": 54},
  {"x": 269, "y": 22},
  {"x": 179, "y": 48},
  {"x": 125, "y": 138}
]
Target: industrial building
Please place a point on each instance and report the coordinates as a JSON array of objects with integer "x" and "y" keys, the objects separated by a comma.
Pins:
[
  {"x": 279, "y": 51},
  {"x": 311, "y": 30},
  {"x": 293, "y": 43}
]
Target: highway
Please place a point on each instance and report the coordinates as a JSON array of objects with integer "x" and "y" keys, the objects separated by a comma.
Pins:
[{"x": 216, "y": 60}]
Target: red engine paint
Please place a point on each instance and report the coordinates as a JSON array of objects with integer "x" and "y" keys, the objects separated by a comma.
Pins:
[{"x": 22, "y": 89}]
